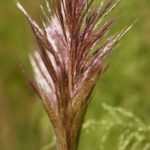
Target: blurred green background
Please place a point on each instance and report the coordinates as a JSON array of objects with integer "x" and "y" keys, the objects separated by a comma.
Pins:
[{"x": 24, "y": 124}]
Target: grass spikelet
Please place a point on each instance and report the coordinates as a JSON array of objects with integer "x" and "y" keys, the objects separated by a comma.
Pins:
[{"x": 66, "y": 66}]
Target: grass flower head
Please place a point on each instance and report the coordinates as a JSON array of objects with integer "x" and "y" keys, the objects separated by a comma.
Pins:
[{"x": 70, "y": 60}]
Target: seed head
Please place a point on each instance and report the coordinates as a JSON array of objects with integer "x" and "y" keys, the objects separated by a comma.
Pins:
[{"x": 70, "y": 60}]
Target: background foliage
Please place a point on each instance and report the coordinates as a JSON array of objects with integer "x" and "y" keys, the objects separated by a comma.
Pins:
[{"x": 24, "y": 124}]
